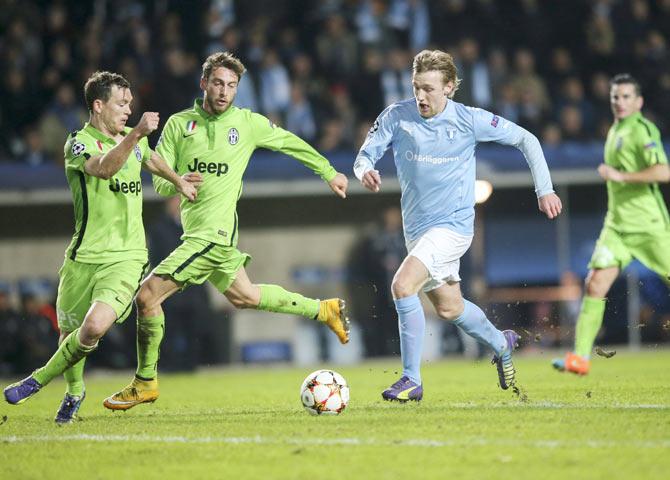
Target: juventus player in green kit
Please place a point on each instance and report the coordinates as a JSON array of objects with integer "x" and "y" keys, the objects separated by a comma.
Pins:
[
  {"x": 107, "y": 257},
  {"x": 637, "y": 224},
  {"x": 216, "y": 139}
]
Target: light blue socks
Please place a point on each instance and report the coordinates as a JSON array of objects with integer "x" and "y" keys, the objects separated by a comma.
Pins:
[
  {"x": 473, "y": 321},
  {"x": 411, "y": 325}
]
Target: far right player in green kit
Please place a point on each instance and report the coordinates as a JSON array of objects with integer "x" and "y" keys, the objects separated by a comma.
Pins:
[
  {"x": 637, "y": 225},
  {"x": 216, "y": 139}
]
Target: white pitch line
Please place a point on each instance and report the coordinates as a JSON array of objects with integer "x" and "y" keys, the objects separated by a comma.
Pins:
[
  {"x": 258, "y": 440},
  {"x": 559, "y": 406}
]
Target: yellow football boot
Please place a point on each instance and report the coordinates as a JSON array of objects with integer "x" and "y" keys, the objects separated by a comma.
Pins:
[
  {"x": 139, "y": 391},
  {"x": 333, "y": 312}
]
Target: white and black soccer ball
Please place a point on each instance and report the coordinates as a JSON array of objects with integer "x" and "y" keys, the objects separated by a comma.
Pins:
[{"x": 324, "y": 392}]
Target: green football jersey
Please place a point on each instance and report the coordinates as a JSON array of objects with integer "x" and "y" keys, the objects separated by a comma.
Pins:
[
  {"x": 634, "y": 144},
  {"x": 108, "y": 213},
  {"x": 219, "y": 147}
]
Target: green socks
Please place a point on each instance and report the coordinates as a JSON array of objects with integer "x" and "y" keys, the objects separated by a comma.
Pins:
[
  {"x": 275, "y": 299},
  {"x": 150, "y": 333},
  {"x": 589, "y": 322},
  {"x": 74, "y": 376},
  {"x": 70, "y": 352}
]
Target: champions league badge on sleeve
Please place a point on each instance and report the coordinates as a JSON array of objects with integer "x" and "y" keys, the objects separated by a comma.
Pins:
[
  {"x": 233, "y": 136},
  {"x": 77, "y": 149}
]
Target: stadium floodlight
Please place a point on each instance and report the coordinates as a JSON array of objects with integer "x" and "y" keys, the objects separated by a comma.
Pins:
[{"x": 483, "y": 190}]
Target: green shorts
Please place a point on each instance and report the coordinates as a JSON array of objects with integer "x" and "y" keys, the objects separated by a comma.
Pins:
[
  {"x": 195, "y": 261},
  {"x": 618, "y": 249},
  {"x": 82, "y": 284}
]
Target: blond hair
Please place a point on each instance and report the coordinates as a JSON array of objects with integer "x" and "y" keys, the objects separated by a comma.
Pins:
[
  {"x": 437, "y": 60},
  {"x": 222, "y": 59}
]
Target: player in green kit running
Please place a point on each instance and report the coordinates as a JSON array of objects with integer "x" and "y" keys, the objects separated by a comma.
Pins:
[
  {"x": 107, "y": 257},
  {"x": 216, "y": 139},
  {"x": 637, "y": 223}
]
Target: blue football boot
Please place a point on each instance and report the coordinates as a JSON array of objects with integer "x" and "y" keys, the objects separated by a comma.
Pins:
[
  {"x": 404, "y": 390},
  {"x": 19, "y": 392},
  {"x": 69, "y": 408}
]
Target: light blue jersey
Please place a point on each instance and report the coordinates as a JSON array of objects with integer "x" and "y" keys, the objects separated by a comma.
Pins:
[{"x": 435, "y": 161}]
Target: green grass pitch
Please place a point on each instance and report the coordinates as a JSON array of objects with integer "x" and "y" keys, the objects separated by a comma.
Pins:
[{"x": 248, "y": 423}]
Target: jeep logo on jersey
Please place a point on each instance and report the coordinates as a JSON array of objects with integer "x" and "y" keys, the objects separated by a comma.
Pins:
[
  {"x": 233, "y": 136},
  {"x": 138, "y": 153},
  {"x": 125, "y": 187},
  {"x": 211, "y": 167}
]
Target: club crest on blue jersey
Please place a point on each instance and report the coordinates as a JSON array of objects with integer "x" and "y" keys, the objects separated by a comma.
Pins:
[
  {"x": 451, "y": 133},
  {"x": 233, "y": 136},
  {"x": 138, "y": 153}
]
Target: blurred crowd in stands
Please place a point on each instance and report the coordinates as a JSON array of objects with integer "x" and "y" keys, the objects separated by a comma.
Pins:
[{"x": 325, "y": 69}]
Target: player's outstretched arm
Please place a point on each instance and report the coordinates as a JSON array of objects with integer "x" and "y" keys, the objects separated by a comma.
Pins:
[
  {"x": 659, "y": 173},
  {"x": 157, "y": 166},
  {"x": 105, "y": 166},
  {"x": 550, "y": 205},
  {"x": 339, "y": 185}
]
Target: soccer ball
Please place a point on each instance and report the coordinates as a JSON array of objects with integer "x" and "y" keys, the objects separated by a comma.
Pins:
[{"x": 324, "y": 392}]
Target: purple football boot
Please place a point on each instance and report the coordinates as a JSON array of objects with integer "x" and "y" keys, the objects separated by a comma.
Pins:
[
  {"x": 504, "y": 363},
  {"x": 19, "y": 392},
  {"x": 404, "y": 390},
  {"x": 69, "y": 408}
]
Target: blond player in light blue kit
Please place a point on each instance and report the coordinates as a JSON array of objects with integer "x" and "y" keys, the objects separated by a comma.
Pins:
[{"x": 433, "y": 140}]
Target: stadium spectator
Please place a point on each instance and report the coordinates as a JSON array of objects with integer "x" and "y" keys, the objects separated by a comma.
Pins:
[
  {"x": 63, "y": 115},
  {"x": 10, "y": 327},
  {"x": 396, "y": 78},
  {"x": 572, "y": 94},
  {"x": 33, "y": 153},
  {"x": 498, "y": 72},
  {"x": 300, "y": 116},
  {"x": 561, "y": 68},
  {"x": 526, "y": 81},
  {"x": 45, "y": 48},
  {"x": 275, "y": 87},
  {"x": 475, "y": 88},
  {"x": 373, "y": 260},
  {"x": 367, "y": 95},
  {"x": 337, "y": 49}
]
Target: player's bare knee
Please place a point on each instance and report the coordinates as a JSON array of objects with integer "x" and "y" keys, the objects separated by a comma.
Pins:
[
  {"x": 145, "y": 301},
  {"x": 92, "y": 331},
  {"x": 400, "y": 288}
]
